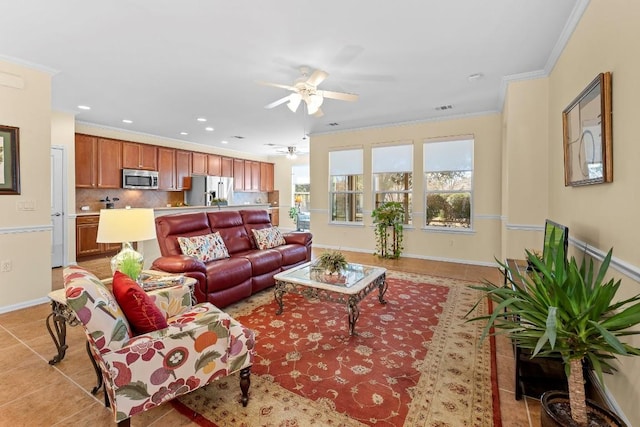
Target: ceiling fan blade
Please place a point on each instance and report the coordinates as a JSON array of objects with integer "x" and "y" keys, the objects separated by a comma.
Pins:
[
  {"x": 318, "y": 113},
  {"x": 317, "y": 77},
  {"x": 278, "y": 102},
  {"x": 277, "y": 85},
  {"x": 342, "y": 96}
]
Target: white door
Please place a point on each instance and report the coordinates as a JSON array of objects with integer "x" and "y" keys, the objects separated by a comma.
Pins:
[{"x": 57, "y": 207}]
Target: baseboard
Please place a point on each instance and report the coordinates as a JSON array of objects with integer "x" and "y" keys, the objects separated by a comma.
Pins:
[{"x": 25, "y": 304}]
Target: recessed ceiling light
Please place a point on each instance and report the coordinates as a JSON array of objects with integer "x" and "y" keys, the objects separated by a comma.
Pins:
[
  {"x": 201, "y": 119},
  {"x": 127, "y": 121},
  {"x": 84, "y": 107},
  {"x": 224, "y": 142},
  {"x": 209, "y": 129},
  {"x": 184, "y": 133}
]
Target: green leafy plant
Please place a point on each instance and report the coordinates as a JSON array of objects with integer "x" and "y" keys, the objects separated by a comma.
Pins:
[
  {"x": 389, "y": 225},
  {"x": 567, "y": 310},
  {"x": 332, "y": 261},
  {"x": 293, "y": 213},
  {"x": 131, "y": 267}
]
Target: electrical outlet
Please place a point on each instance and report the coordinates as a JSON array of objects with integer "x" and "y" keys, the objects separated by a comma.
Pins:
[{"x": 5, "y": 265}]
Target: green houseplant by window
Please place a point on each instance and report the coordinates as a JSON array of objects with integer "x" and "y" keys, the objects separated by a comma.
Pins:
[
  {"x": 388, "y": 218},
  {"x": 565, "y": 310}
]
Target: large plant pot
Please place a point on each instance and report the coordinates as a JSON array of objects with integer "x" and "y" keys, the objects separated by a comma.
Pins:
[{"x": 555, "y": 412}]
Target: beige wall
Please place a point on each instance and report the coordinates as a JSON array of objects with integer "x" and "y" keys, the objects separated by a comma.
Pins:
[
  {"x": 604, "y": 216},
  {"x": 525, "y": 174},
  {"x": 25, "y": 236},
  {"x": 480, "y": 246}
]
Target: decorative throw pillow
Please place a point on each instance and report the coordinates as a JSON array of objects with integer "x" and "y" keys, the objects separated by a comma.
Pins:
[
  {"x": 138, "y": 307},
  {"x": 267, "y": 238},
  {"x": 205, "y": 248}
]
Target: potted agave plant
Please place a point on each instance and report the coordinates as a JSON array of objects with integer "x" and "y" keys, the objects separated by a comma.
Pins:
[{"x": 567, "y": 310}]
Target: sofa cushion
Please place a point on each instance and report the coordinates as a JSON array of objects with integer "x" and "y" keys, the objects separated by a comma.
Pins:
[
  {"x": 267, "y": 238},
  {"x": 204, "y": 248},
  {"x": 138, "y": 307},
  {"x": 170, "y": 227},
  {"x": 227, "y": 273},
  {"x": 292, "y": 254},
  {"x": 229, "y": 225},
  {"x": 262, "y": 261}
]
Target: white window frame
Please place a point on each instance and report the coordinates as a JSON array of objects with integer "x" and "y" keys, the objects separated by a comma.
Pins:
[
  {"x": 349, "y": 164},
  {"x": 396, "y": 158},
  {"x": 455, "y": 154}
]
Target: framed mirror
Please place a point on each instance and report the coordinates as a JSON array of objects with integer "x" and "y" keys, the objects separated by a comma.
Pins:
[{"x": 586, "y": 125}]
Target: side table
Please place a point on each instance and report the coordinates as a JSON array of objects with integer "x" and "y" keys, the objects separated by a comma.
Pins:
[{"x": 56, "y": 322}]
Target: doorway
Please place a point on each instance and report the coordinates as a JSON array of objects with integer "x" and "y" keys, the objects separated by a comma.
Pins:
[{"x": 57, "y": 207}]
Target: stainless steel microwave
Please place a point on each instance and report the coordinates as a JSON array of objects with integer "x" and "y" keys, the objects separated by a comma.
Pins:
[{"x": 137, "y": 179}]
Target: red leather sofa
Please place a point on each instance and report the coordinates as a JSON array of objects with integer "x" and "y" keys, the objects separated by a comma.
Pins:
[{"x": 247, "y": 271}]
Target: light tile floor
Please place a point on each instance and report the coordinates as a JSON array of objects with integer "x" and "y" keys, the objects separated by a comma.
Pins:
[{"x": 34, "y": 393}]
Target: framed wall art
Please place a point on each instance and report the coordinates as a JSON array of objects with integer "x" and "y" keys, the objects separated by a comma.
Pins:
[
  {"x": 9, "y": 160},
  {"x": 586, "y": 125}
]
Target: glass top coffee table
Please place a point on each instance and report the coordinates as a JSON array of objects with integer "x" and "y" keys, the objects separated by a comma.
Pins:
[{"x": 355, "y": 283}]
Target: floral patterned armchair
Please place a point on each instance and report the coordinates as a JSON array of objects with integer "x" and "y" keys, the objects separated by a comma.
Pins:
[{"x": 200, "y": 344}]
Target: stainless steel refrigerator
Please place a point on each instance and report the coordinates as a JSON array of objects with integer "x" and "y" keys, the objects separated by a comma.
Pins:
[{"x": 204, "y": 189}]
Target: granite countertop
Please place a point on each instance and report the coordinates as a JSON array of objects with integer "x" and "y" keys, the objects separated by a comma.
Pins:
[{"x": 178, "y": 208}]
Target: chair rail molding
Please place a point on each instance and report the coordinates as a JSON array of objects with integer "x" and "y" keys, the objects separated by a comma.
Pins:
[{"x": 26, "y": 229}]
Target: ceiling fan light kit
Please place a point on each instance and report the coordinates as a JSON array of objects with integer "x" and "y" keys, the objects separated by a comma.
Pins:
[{"x": 305, "y": 88}]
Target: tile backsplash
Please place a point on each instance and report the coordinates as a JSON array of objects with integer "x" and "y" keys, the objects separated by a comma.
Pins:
[{"x": 135, "y": 198}]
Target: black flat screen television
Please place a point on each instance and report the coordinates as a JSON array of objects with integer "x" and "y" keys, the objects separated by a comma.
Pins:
[{"x": 555, "y": 235}]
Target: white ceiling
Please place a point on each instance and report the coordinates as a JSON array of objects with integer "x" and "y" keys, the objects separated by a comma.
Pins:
[{"x": 164, "y": 63}]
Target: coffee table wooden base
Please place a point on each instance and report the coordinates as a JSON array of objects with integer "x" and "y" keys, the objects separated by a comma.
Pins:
[{"x": 351, "y": 300}]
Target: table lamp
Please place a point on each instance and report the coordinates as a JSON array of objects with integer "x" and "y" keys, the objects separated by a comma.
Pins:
[{"x": 126, "y": 226}]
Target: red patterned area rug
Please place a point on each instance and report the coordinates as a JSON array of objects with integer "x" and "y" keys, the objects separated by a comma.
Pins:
[{"x": 414, "y": 362}]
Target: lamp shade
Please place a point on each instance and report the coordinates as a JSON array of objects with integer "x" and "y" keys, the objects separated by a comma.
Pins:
[{"x": 126, "y": 225}]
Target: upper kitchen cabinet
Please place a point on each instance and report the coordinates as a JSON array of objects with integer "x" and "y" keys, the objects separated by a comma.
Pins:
[
  {"x": 227, "y": 167},
  {"x": 198, "y": 163},
  {"x": 86, "y": 161},
  {"x": 139, "y": 156},
  {"x": 109, "y": 163},
  {"x": 166, "y": 169},
  {"x": 183, "y": 170},
  {"x": 214, "y": 165},
  {"x": 238, "y": 174},
  {"x": 266, "y": 177},
  {"x": 98, "y": 162},
  {"x": 251, "y": 175}
]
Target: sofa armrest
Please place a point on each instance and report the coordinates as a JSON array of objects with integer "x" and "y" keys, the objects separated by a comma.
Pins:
[
  {"x": 172, "y": 301},
  {"x": 300, "y": 238},
  {"x": 178, "y": 264}
]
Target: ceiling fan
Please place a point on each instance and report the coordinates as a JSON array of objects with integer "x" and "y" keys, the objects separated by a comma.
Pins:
[
  {"x": 305, "y": 88},
  {"x": 290, "y": 151}
]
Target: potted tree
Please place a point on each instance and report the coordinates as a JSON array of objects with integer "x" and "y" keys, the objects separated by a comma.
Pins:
[
  {"x": 567, "y": 310},
  {"x": 388, "y": 218}
]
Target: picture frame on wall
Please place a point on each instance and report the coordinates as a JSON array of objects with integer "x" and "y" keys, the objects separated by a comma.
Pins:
[
  {"x": 587, "y": 136},
  {"x": 9, "y": 160}
]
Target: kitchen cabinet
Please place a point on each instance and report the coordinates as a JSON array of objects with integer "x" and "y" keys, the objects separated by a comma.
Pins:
[
  {"x": 214, "y": 165},
  {"x": 227, "y": 167},
  {"x": 266, "y": 176},
  {"x": 139, "y": 156},
  {"x": 238, "y": 174},
  {"x": 86, "y": 148},
  {"x": 166, "y": 169},
  {"x": 198, "y": 163},
  {"x": 255, "y": 176},
  {"x": 275, "y": 216},
  {"x": 98, "y": 162},
  {"x": 183, "y": 170},
  {"x": 86, "y": 234}
]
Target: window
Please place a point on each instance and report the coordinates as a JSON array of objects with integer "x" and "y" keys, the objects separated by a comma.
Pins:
[
  {"x": 392, "y": 168},
  {"x": 301, "y": 187},
  {"x": 448, "y": 167},
  {"x": 346, "y": 185}
]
